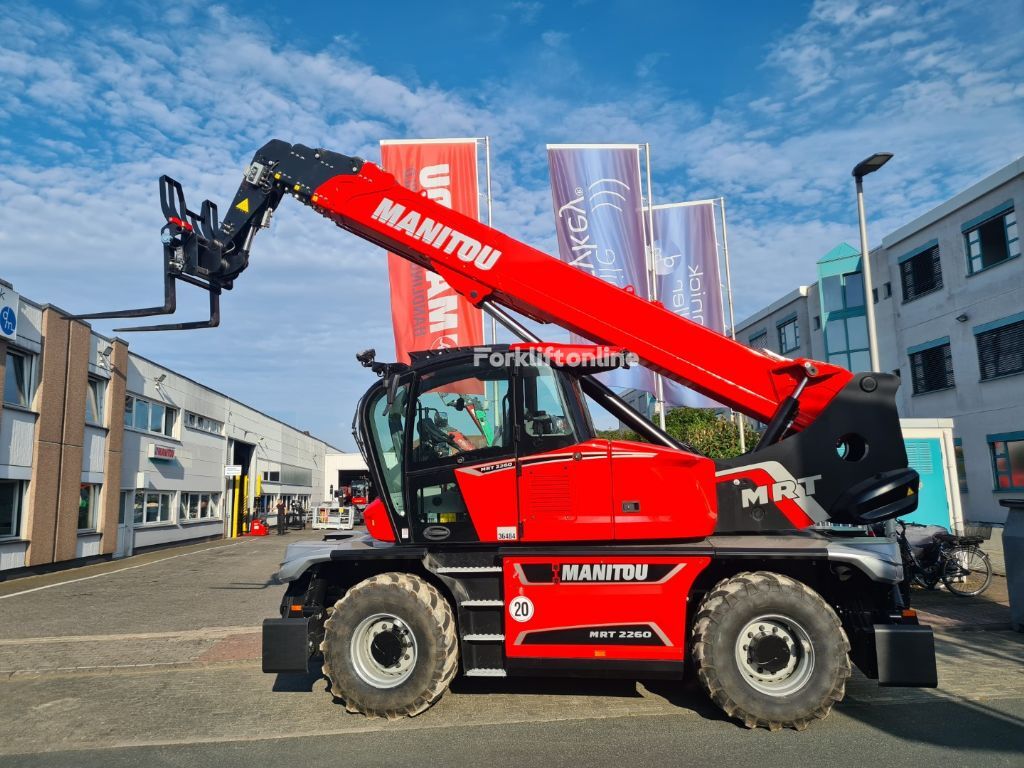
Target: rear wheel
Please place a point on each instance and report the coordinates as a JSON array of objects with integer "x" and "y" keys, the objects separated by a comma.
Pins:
[
  {"x": 390, "y": 647},
  {"x": 967, "y": 571},
  {"x": 770, "y": 651}
]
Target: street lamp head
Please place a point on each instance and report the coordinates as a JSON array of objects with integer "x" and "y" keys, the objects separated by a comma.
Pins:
[{"x": 872, "y": 164}]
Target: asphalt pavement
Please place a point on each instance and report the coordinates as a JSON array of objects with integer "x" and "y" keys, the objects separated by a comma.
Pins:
[{"x": 155, "y": 661}]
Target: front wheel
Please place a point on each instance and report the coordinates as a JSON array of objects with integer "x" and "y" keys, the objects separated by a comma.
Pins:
[
  {"x": 390, "y": 647},
  {"x": 770, "y": 651},
  {"x": 966, "y": 571}
]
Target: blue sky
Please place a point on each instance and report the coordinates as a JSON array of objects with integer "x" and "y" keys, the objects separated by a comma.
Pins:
[{"x": 768, "y": 104}]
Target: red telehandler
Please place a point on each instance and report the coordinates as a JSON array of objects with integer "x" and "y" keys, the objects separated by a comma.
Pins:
[{"x": 508, "y": 539}]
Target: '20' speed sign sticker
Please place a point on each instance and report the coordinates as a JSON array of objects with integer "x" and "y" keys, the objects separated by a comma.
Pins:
[{"x": 521, "y": 609}]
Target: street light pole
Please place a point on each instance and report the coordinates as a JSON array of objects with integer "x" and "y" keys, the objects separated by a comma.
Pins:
[{"x": 861, "y": 170}]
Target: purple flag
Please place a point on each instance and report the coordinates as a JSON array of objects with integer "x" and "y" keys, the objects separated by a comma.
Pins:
[
  {"x": 686, "y": 277},
  {"x": 598, "y": 207}
]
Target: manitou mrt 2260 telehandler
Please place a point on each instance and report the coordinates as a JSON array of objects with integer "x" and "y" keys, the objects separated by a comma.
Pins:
[{"x": 508, "y": 539}]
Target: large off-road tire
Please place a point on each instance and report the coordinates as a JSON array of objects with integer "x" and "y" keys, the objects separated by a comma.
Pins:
[
  {"x": 770, "y": 651},
  {"x": 390, "y": 646}
]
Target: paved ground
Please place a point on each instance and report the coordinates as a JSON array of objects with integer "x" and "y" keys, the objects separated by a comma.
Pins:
[{"x": 155, "y": 661}]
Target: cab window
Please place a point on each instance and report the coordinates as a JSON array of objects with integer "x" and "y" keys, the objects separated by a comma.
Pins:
[
  {"x": 462, "y": 414},
  {"x": 389, "y": 434},
  {"x": 546, "y": 416}
]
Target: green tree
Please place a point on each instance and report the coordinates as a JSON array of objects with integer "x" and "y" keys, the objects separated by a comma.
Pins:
[{"x": 709, "y": 432}]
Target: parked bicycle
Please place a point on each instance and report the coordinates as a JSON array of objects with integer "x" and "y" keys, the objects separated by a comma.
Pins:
[{"x": 956, "y": 561}]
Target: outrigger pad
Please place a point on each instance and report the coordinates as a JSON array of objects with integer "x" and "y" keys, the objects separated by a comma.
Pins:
[
  {"x": 906, "y": 656},
  {"x": 286, "y": 645}
]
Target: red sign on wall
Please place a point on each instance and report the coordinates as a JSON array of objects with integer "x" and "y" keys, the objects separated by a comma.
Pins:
[
  {"x": 161, "y": 452},
  {"x": 425, "y": 312}
]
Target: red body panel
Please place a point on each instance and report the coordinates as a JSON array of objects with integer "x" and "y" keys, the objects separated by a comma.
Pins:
[
  {"x": 490, "y": 493},
  {"x": 565, "y": 495},
  {"x": 619, "y": 617},
  {"x": 593, "y": 491},
  {"x": 378, "y": 525},
  {"x": 659, "y": 493},
  {"x": 482, "y": 263}
]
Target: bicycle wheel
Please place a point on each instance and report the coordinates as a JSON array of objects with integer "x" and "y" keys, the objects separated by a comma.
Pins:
[{"x": 967, "y": 571}]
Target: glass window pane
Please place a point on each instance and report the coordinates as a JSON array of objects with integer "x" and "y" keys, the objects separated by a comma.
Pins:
[
  {"x": 140, "y": 507},
  {"x": 840, "y": 359},
  {"x": 171, "y": 415},
  {"x": 835, "y": 336},
  {"x": 857, "y": 332},
  {"x": 16, "y": 379},
  {"x": 141, "y": 414},
  {"x": 129, "y": 409},
  {"x": 1016, "y": 463},
  {"x": 832, "y": 293},
  {"x": 90, "y": 404},
  {"x": 165, "y": 507},
  {"x": 10, "y": 498},
  {"x": 84, "y": 506},
  {"x": 156, "y": 417},
  {"x": 860, "y": 361},
  {"x": 854, "y": 290},
  {"x": 457, "y": 412},
  {"x": 993, "y": 242}
]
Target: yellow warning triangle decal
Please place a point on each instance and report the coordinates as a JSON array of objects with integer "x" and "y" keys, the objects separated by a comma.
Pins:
[{"x": 243, "y": 206}]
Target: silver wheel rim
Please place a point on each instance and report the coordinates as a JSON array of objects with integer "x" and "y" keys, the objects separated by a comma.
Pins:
[
  {"x": 383, "y": 650},
  {"x": 775, "y": 655}
]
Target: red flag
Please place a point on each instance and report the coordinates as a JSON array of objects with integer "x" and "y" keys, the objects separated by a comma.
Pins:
[{"x": 425, "y": 312}]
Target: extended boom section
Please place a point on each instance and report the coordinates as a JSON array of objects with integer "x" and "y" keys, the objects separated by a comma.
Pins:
[{"x": 483, "y": 264}]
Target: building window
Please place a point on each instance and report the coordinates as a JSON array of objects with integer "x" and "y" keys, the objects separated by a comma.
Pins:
[
  {"x": 203, "y": 423},
  {"x": 152, "y": 507},
  {"x": 846, "y": 340},
  {"x": 12, "y": 495},
  {"x": 961, "y": 467},
  {"x": 95, "y": 395},
  {"x": 1008, "y": 460},
  {"x": 272, "y": 477},
  {"x": 789, "y": 335},
  {"x": 992, "y": 240},
  {"x": 759, "y": 340},
  {"x": 88, "y": 506},
  {"x": 817, "y": 322},
  {"x": 931, "y": 366},
  {"x": 846, "y": 327},
  {"x": 888, "y": 291},
  {"x": 149, "y": 416},
  {"x": 18, "y": 379},
  {"x": 1001, "y": 347},
  {"x": 199, "y": 506},
  {"x": 920, "y": 271}
]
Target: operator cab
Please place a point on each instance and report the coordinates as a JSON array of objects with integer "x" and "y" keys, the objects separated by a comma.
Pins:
[{"x": 487, "y": 444}]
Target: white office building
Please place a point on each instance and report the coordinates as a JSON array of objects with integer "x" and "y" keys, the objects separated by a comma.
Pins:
[{"x": 103, "y": 452}]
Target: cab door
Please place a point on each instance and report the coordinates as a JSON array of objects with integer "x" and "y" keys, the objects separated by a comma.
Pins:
[
  {"x": 460, "y": 480},
  {"x": 564, "y": 473}
]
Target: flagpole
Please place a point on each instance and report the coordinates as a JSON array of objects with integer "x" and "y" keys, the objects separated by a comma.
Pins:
[
  {"x": 732, "y": 316},
  {"x": 652, "y": 278},
  {"x": 487, "y": 176},
  {"x": 494, "y": 322}
]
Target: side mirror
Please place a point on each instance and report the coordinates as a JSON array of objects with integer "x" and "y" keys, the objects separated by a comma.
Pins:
[{"x": 392, "y": 386}]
